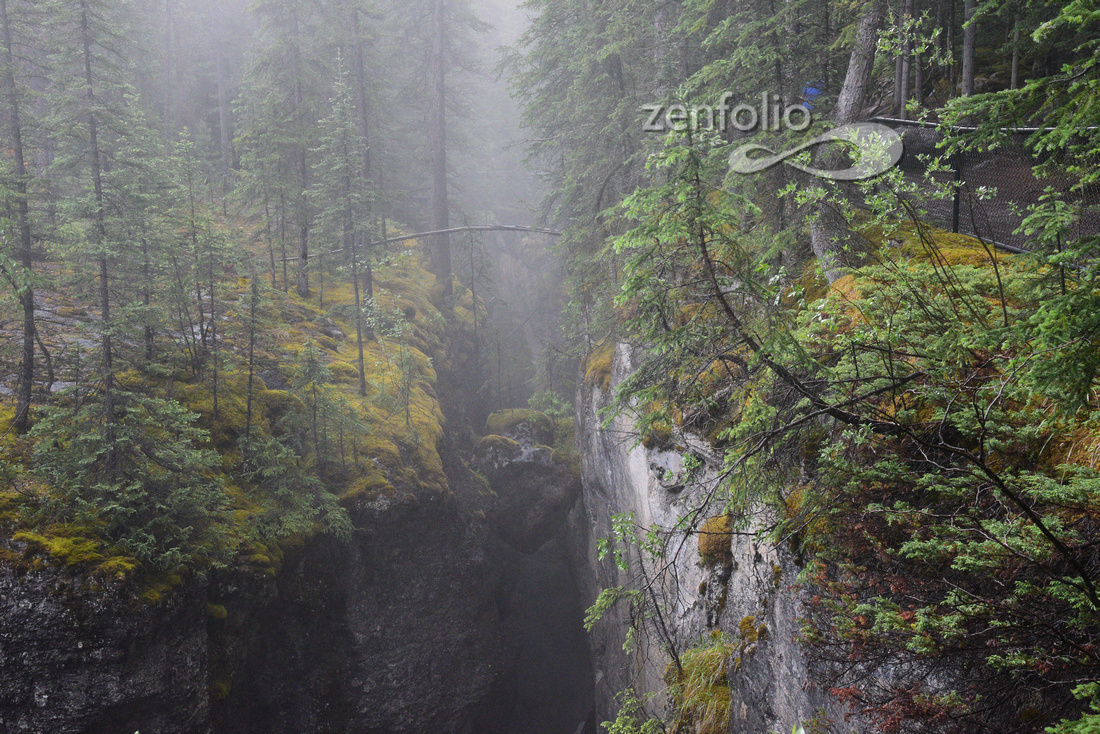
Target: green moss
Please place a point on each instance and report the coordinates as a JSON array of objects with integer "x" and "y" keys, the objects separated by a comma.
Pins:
[
  {"x": 700, "y": 689},
  {"x": 715, "y": 537},
  {"x": 68, "y": 551},
  {"x": 344, "y": 373},
  {"x": 367, "y": 486},
  {"x": 76, "y": 547},
  {"x": 512, "y": 421},
  {"x": 119, "y": 566},
  {"x": 746, "y": 628},
  {"x": 259, "y": 559},
  {"x": 216, "y": 611},
  {"x": 499, "y": 443},
  {"x": 597, "y": 368},
  {"x": 156, "y": 588}
]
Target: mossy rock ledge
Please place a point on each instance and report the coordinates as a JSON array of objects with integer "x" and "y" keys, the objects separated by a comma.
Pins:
[{"x": 524, "y": 426}]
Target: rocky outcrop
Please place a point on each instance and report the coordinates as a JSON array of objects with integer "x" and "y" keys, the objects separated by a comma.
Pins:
[
  {"x": 93, "y": 660},
  {"x": 744, "y": 591},
  {"x": 532, "y": 491},
  {"x": 397, "y": 630},
  {"x": 446, "y": 613}
]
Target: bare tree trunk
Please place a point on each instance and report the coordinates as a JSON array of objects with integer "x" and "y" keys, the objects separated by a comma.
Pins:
[
  {"x": 146, "y": 297},
  {"x": 198, "y": 260},
  {"x": 1015, "y": 82},
  {"x": 268, "y": 235},
  {"x": 950, "y": 70},
  {"x": 223, "y": 109},
  {"x": 857, "y": 82},
  {"x": 349, "y": 242},
  {"x": 303, "y": 222},
  {"x": 303, "y": 171},
  {"x": 364, "y": 132},
  {"x": 255, "y": 296},
  {"x": 828, "y": 227},
  {"x": 210, "y": 253},
  {"x": 918, "y": 79},
  {"x": 95, "y": 156},
  {"x": 906, "y": 51},
  {"x": 969, "y": 37},
  {"x": 361, "y": 95},
  {"x": 169, "y": 27},
  {"x": 26, "y": 291},
  {"x": 282, "y": 239},
  {"x": 441, "y": 250}
]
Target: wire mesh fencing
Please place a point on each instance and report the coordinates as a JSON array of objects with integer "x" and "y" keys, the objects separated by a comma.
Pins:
[{"x": 996, "y": 188}]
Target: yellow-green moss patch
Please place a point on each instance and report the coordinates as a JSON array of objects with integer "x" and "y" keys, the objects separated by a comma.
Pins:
[
  {"x": 597, "y": 369},
  {"x": 701, "y": 690},
  {"x": 510, "y": 422},
  {"x": 715, "y": 538}
]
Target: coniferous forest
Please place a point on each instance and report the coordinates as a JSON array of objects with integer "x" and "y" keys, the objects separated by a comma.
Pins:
[{"x": 690, "y": 366}]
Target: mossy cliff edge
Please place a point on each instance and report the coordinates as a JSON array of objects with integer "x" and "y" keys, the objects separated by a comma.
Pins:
[{"x": 353, "y": 583}]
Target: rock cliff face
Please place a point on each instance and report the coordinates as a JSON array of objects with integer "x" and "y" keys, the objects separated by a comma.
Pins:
[
  {"x": 79, "y": 659},
  {"x": 432, "y": 618},
  {"x": 744, "y": 590},
  {"x": 395, "y": 631}
]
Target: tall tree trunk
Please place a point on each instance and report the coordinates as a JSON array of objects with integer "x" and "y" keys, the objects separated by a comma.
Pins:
[
  {"x": 303, "y": 221},
  {"x": 857, "y": 81},
  {"x": 828, "y": 227},
  {"x": 363, "y": 112},
  {"x": 302, "y": 165},
  {"x": 223, "y": 109},
  {"x": 1015, "y": 80},
  {"x": 906, "y": 51},
  {"x": 95, "y": 158},
  {"x": 210, "y": 254},
  {"x": 349, "y": 242},
  {"x": 255, "y": 296},
  {"x": 198, "y": 259},
  {"x": 26, "y": 292},
  {"x": 950, "y": 69},
  {"x": 918, "y": 79},
  {"x": 282, "y": 239},
  {"x": 966, "y": 84},
  {"x": 361, "y": 102},
  {"x": 169, "y": 27},
  {"x": 146, "y": 297},
  {"x": 441, "y": 250},
  {"x": 268, "y": 235}
]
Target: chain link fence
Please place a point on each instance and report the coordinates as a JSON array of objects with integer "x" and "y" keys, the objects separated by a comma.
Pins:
[{"x": 995, "y": 190}]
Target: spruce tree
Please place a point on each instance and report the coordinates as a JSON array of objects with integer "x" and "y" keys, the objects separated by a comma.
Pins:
[
  {"x": 282, "y": 101},
  {"x": 22, "y": 279},
  {"x": 342, "y": 193}
]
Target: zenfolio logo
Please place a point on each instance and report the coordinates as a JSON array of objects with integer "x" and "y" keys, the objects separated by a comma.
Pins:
[
  {"x": 872, "y": 148},
  {"x": 768, "y": 116}
]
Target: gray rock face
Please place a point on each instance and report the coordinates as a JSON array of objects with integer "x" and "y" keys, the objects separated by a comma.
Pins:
[
  {"x": 747, "y": 595},
  {"x": 395, "y": 631},
  {"x": 532, "y": 493},
  {"x": 73, "y": 659},
  {"x": 429, "y": 619}
]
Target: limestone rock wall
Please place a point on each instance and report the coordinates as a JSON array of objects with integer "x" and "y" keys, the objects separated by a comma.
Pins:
[{"x": 746, "y": 594}]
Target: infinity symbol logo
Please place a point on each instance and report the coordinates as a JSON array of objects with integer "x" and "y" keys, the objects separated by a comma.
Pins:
[{"x": 877, "y": 149}]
